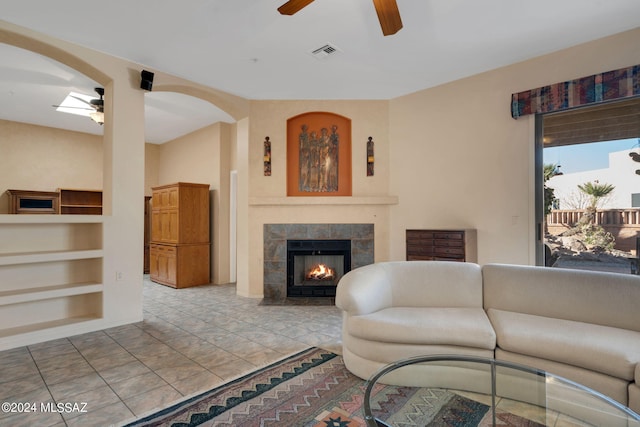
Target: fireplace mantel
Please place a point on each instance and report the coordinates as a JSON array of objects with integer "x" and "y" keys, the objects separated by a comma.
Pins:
[{"x": 327, "y": 201}]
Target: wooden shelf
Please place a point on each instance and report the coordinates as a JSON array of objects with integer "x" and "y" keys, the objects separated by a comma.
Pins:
[
  {"x": 33, "y": 202},
  {"x": 80, "y": 202}
]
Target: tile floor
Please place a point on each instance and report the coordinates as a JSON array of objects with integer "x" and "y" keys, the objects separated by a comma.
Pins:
[{"x": 190, "y": 340}]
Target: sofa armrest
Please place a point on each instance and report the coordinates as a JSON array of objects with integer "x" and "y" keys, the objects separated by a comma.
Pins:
[{"x": 364, "y": 290}]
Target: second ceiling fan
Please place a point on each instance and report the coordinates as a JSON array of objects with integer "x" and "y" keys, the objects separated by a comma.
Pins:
[{"x": 388, "y": 13}]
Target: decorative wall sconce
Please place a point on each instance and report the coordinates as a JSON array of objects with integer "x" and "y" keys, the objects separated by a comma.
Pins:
[
  {"x": 267, "y": 157},
  {"x": 370, "y": 157}
]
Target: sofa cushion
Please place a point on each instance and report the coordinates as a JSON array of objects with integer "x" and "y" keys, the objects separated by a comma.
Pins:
[
  {"x": 604, "y": 349},
  {"x": 637, "y": 376},
  {"x": 434, "y": 283},
  {"x": 608, "y": 299},
  {"x": 468, "y": 327}
]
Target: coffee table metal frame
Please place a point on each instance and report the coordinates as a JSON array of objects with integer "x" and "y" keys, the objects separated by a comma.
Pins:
[{"x": 493, "y": 363}]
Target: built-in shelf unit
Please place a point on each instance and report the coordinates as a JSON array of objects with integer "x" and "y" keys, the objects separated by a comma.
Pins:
[
  {"x": 80, "y": 202},
  {"x": 50, "y": 273}
]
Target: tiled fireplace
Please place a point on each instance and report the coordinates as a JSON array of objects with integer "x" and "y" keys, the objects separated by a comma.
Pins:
[{"x": 312, "y": 244}]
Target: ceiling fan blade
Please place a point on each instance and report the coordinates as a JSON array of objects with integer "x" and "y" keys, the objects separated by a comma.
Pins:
[
  {"x": 389, "y": 16},
  {"x": 76, "y": 108},
  {"x": 293, "y": 6},
  {"x": 82, "y": 100}
]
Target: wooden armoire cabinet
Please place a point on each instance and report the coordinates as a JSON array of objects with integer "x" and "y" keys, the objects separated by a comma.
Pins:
[
  {"x": 179, "y": 251},
  {"x": 442, "y": 245}
]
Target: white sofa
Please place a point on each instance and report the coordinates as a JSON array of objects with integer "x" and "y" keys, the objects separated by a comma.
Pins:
[{"x": 581, "y": 325}]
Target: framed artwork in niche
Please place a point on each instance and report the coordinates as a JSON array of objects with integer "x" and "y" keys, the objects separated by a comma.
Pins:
[{"x": 319, "y": 155}]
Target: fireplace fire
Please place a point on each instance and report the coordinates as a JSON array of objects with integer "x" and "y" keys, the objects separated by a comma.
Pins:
[
  {"x": 314, "y": 267},
  {"x": 321, "y": 272}
]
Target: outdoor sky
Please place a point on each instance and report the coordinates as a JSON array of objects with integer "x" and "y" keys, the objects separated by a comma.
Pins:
[{"x": 584, "y": 157}]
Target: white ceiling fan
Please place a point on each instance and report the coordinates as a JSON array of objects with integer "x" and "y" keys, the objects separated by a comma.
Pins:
[{"x": 76, "y": 103}]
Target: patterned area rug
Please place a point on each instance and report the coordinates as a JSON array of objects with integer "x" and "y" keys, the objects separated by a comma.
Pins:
[{"x": 314, "y": 389}]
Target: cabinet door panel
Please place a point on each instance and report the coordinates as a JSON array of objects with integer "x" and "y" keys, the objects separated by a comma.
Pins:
[
  {"x": 173, "y": 198},
  {"x": 169, "y": 226},
  {"x": 163, "y": 264},
  {"x": 156, "y": 226}
]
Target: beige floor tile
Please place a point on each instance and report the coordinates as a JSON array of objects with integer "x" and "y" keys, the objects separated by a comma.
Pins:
[
  {"x": 188, "y": 337},
  {"x": 112, "y": 360},
  {"x": 15, "y": 357},
  {"x": 94, "y": 399},
  {"x": 197, "y": 383},
  {"x": 177, "y": 373},
  {"x": 90, "y": 340},
  {"x": 16, "y": 371},
  {"x": 63, "y": 348},
  {"x": 105, "y": 416},
  {"x": 123, "y": 372},
  {"x": 101, "y": 350},
  {"x": 21, "y": 386},
  {"x": 137, "y": 385},
  {"x": 155, "y": 399},
  {"x": 61, "y": 361},
  {"x": 64, "y": 389},
  {"x": 167, "y": 360},
  {"x": 232, "y": 370},
  {"x": 40, "y": 419},
  {"x": 55, "y": 376},
  {"x": 37, "y": 396}
]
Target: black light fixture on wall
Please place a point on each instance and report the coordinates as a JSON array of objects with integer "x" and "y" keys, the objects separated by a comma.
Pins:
[{"x": 146, "y": 80}]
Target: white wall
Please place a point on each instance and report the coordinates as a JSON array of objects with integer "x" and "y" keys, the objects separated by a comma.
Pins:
[{"x": 620, "y": 173}]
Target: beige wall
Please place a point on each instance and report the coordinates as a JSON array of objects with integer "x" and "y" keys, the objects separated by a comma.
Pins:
[
  {"x": 45, "y": 159},
  {"x": 203, "y": 157},
  {"x": 269, "y": 118},
  {"x": 151, "y": 167},
  {"x": 267, "y": 199},
  {"x": 122, "y": 169},
  {"x": 452, "y": 155},
  {"x": 460, "y": 160},
  {"x": 123, "y": 173}
]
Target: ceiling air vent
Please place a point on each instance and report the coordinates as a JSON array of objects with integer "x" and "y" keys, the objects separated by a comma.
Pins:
[{"x": 325, "y": 51}]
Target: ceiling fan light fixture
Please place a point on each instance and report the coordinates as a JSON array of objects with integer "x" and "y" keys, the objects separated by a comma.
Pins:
[{"x": 98, "y": 117}]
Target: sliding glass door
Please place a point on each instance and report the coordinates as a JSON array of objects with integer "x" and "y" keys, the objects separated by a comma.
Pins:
[{"x": 587, "y": 188}]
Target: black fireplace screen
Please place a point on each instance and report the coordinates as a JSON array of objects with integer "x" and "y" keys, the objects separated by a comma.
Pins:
[{"x": 314, "y": 267}]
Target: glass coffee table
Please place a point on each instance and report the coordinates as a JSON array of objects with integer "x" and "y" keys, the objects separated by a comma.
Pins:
[{"x": 453, "y": 390}]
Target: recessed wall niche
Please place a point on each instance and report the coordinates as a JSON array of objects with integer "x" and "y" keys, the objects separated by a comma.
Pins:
[{"x": 319, "y": 155}]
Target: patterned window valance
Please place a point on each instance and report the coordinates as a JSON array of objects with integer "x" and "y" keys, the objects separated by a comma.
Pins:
[{"x": 611, "y": 85}]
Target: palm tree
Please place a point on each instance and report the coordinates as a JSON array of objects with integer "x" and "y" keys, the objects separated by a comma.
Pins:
[
  {"x": 549, "y": 171},
  {"x": 596, "y": 192}
]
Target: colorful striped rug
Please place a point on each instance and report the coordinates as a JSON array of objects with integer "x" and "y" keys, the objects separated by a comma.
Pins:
[{"x": 314, "y": 389}]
